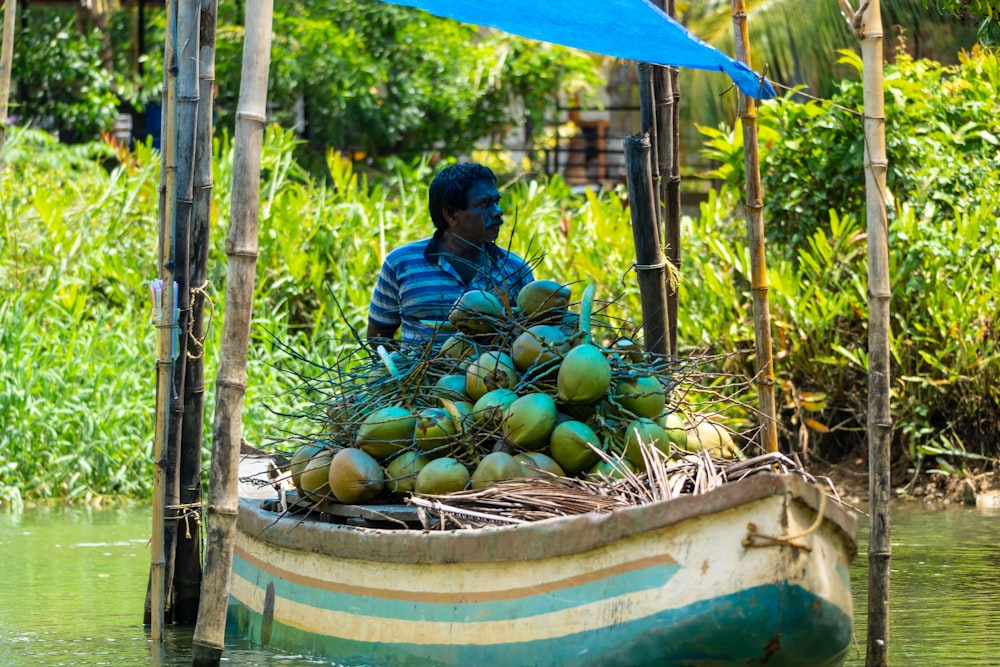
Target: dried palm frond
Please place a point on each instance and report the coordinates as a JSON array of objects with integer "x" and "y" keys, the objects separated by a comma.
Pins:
[{"x": 536, "y": 498}]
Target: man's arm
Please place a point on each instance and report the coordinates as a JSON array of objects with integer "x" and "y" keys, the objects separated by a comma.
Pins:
[{"x": 381, "y": 335}]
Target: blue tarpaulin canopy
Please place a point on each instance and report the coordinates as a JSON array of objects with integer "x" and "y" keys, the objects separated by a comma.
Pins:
[{"x": 631, "y": 29}]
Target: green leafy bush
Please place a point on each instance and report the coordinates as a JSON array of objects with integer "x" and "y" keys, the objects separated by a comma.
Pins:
[
  {"x": 61, "y": 86},
  {"x": 942, "y": 140},
  {"x": 79, "y": 244},
  {"x": 943, "y": 144}
]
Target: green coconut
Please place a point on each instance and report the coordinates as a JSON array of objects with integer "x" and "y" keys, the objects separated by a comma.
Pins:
[
  {"x": 444, "y": 475},
  {"x": 489, "y": 409},
  {"x": 386, "y": 431},
  {"x": 475, "y": 311},
  {"x": 529, "y": 421},
  {"x": 491, "y": 370},
  {"x": 541, "y": 299},
  {"x": 643, "y": 396},
  {"x": 650, "y": 434},
  {"x": 569, "y": 323},
  {"x": 584, "y": 375},
  {"x": 346, "y": 410},
  {"x": 434, "y": 430},
  {"x": 538, "y": 345},
  {"x": 493, "y": 468},
  {"x": 615, "y": 469},
  {"x": 676, "y": 428},
  {"x": 458, "y": 347},
  {"x": 355, "y": 477},
  {"x": 402, "y": 471},
  {"x": 451, "y": 387},
  {"x": 314, "y": 482},
  {"x": 302, "y": 456},
  {"x": 460, "y": 412},
  {"x": 713, "y": 438},
  {"x": 570, "y": 445},
  {"x": 536, "y": 464},
  {"x": 629, "y": 349},
  {"x": 581, "y": 412}
]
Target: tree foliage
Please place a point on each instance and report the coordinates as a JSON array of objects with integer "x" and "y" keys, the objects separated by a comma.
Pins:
[
  {"x": 986, "y": 11},
  {"x": 943, "y": 147},
  {"x": 365, "y": 76},
  {"x": 356, "y": 75},
  {"x": 942, "y": 141},
  {"x": 795, "y": 42},
  {"x": 61, "y": 86}
]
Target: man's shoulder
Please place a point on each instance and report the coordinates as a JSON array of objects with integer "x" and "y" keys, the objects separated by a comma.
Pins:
[
  {"x": 411, "y": 246},
  {"x": 408, "y": 251},
  {"x": 507, "y": 255}
]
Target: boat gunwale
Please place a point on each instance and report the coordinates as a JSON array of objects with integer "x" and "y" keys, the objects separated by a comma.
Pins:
[{"x": 546, "y": 538}]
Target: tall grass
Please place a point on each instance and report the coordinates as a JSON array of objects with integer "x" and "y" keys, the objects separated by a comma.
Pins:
[{"x": 78, "y": 245}]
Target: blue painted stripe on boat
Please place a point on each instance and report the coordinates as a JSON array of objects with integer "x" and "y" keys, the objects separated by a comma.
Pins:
[
  {"x": 743, "y": 628},
  {"x": 467, "y": 606}
]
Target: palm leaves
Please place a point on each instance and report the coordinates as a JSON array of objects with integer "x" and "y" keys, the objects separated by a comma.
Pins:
[{"x": 795, "y": 43}]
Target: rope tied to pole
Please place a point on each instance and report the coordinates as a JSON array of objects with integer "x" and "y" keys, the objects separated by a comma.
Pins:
[
  {"x": 756, "y": 539},
  {"x": 672, "y": 271},
  {"x": 187, "y": 512},
  {"x": 649, "y": 267},
  {"x": 196, "y": 342}
]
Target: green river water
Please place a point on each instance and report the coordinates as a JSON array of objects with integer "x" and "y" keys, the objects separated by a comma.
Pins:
[{"x": 72, "y": 584}]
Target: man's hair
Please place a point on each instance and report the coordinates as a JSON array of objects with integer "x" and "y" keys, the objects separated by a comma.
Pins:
[{"x": 448, "y": 189}]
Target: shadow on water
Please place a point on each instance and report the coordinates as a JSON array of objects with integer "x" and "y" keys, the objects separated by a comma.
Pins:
[{"x": 73, "y": 582}]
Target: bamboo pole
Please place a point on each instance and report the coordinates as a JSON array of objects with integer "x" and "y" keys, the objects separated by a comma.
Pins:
[
  {"x": 867, "y": 26},
  {"x": 755, "y": 233},
  {"x": 166, "y": 328},
  {"x": 646, "y": 222},
  {"x": 181, "y": 147},
  {"x": 241, "y": 247},
  {"x": 650, "y": 268},
  {"x": 668, "y": 97},
  {"x": 184, "y": 591},
  {"x": 648, "y": 119},
  {"x": 189, "y": 579},
  {"x": 6, "y": 61}
]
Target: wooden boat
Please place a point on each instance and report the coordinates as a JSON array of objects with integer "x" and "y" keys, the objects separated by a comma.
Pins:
[{"x": 754, "y": 572}]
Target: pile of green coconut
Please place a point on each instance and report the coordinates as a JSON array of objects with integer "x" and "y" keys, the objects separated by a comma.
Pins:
[{"x": 503, "y": 391}]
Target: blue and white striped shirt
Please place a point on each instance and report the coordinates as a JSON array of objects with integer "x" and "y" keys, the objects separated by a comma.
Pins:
[{"x": 417, "y": 283}]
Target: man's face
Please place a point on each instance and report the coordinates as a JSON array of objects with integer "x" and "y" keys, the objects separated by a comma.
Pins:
[{"x": 480, "y": 222}]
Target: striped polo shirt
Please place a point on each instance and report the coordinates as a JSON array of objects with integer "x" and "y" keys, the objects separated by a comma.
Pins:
[{"x": 417, "y": 283}]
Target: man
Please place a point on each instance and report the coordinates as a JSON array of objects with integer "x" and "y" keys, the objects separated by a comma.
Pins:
[{"x": 420, "y": 282}]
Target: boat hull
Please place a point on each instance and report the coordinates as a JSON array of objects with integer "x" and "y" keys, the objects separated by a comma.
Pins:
[{"x": 682, "y": 582}]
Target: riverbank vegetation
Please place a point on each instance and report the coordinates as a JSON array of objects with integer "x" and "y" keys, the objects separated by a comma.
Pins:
[{"x": 78, "y": 239}]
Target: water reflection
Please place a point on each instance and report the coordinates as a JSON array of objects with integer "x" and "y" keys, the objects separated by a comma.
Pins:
[
  {"x": 944, "y": 606},
  {"x": 73, "y": 581},
  {"x": 72, "y": 587}
]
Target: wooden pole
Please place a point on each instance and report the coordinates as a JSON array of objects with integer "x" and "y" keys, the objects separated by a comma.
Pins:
[
  {"x": 668, "y": 100},
  {"x": 185, "y": 591},
  {"x": 648, "y": 120},
  {"x": 188, "y": 577},
  {"x": 755, "y": 233},
  {"x": 6, "y": 61},
  {"x": 650, "y": 268},
  {"x": 241, "y": 247},
  {"x": 867, "y": 25},
  {"x": 166, "y": 331}
]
